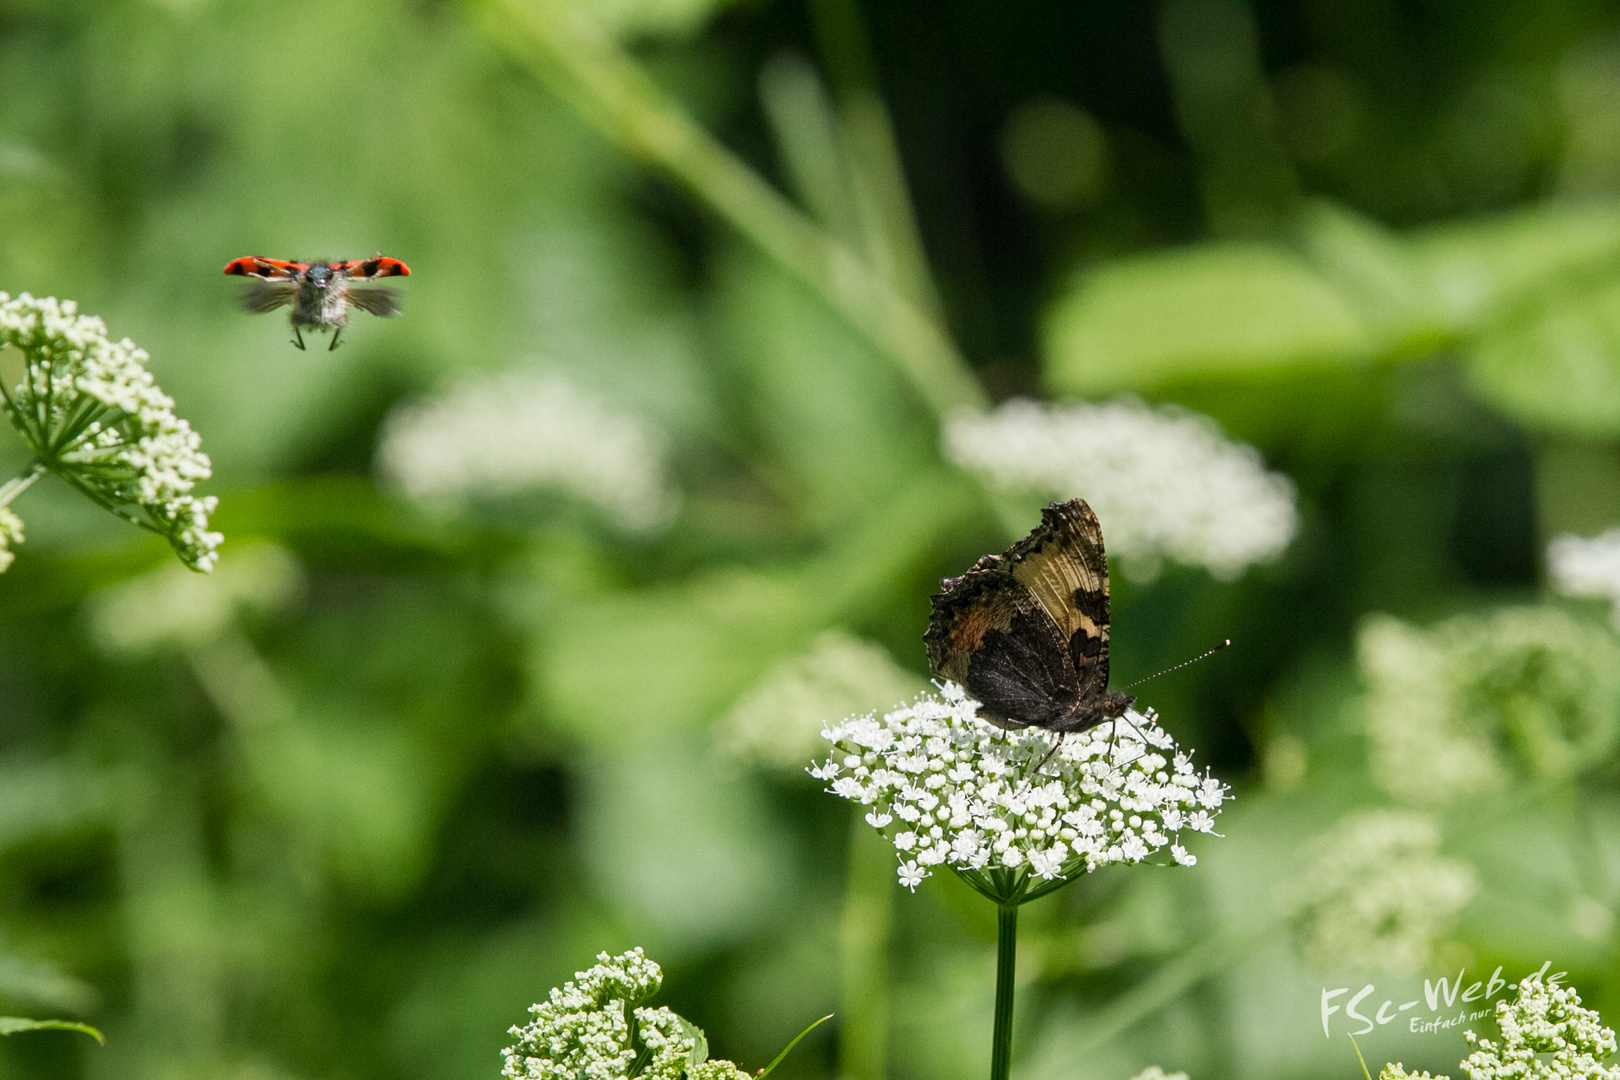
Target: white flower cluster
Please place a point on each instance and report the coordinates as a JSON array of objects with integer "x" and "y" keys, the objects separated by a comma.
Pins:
[
  {"x": 91, "y": 412},
  {"x": 1545, "y": 1020},
  {"x": 1450, "y": 711},
  {"x": 1580, "y": 566},
  {"x": 510, "y": 434},
  {"x": 1376, "y": 894},
  {"x": 1397, "y": 1071},
  {"x": 778, "y": 721},
  {"x": 588, "y": 1030},
  {"x": 166, "y": 607},
  {"x": 1165, "y": 482},
  {"x": 948, "y": 788},
  {"x": 1156, "y": 1072},
  {"x": 11, "y": 533}
]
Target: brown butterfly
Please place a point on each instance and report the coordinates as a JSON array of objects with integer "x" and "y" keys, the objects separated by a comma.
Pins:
[{"x": 1026, "y": 632}]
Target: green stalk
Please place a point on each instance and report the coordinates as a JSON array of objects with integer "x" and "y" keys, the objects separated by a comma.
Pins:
[
  {"x": 868, "y": 912},
  {"x": 588, "y": 69},
  {"x": 20, "y": 483},
  {"x": 1006, "y": 972}
]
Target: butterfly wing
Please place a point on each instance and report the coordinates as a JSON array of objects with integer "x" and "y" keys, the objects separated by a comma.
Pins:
[
  {"x": 1026, "y": 632},
  {"x": 380, "y": 302},
  {"x": 1063, "y": 565},
  {"x": 989, "y": 633},
  {"x": 260, "y": 297}
]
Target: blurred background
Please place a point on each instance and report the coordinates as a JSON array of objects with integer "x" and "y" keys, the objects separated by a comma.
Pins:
[{"x": 534, "y": 599}]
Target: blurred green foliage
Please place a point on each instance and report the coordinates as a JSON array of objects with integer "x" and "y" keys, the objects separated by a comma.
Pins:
[{"x": 391, "y": 774}]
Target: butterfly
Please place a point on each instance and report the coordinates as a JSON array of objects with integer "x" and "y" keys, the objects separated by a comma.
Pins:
[
  {"x": 1026, "y": 632},
  {"x": 320, "y": 292}
]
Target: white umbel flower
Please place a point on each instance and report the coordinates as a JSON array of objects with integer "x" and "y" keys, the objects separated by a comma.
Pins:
[
  {"x": 1376, "y": 894},
  {"x": 91, "y": 413},
  {"x": 588, "y": 1029},
  {"x": 11, "y": 534},
  {"x": 1166, "y": 481},
  {"x": 1397, "y": 1071},
  {"x": 1582, "y": 566},
  {"x": 778, "y": 722},
  {"x": 1546, "y": 1035},
  {"x": 1458, "y": 708},
  {"x": 169, "y": 608},
  {"x": 953, "y": 790},
  {"x": 515, "y": 433},
  {"x": 1156, "y": 1072}
]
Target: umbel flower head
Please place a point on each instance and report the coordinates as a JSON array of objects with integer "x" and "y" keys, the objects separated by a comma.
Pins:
[
  {"x": 1543, "y": 1020},
  {"x": 1169, "y": 483},
  {"x": 1545, "y": 1035},
  {"x": 594, "y": 1028},
  {"x": 948, "y": 788},
  {"x": 92, "y": 414},
  {"x": 1459, "y": 708},
  {"x": 1376, "y": 894},
  {"x": 515, "y": 433},
  {"x": 1580, "y": 566}
]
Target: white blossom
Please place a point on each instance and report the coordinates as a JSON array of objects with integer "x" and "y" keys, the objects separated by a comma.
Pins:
[
  {"x": 1398, "y": 1072},
  {"x": 91, "y": 413},
  {"x": 1587, "y": 567},
  {"x": 970, "y": 798},
  {"x": 1165, "y": 482},
  {"x": 509, "y": 434},
  {"x": 11, "y": 534},
  {"x": 169, "y": 608},
  {"x": 1376, "y": 894},
  {"x": 583, "y": 1031},
  {"x": 778, "y": 721},
  {"x": 1545, "y": 1035},
  {"x": 1454, "y": 710},
  {"x": 1156, "y": 1072}
]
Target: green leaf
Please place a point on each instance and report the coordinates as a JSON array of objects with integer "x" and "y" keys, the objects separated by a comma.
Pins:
[
  {"x": 1202, "y": 311},
  {"x": 10, "y": 1025},
  {"x": 1478, "y": 268},
  {"x": 1344, "y": 293},
  {"x": 700, "y": 1042},
  {"x": 766, "y": 1071},
  {"x": 1558, "y": 368}
]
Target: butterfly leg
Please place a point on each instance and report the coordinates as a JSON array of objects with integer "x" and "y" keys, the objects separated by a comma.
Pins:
[
  {"x": 1045, "y": 758},
  {"x": 335, "y": 335},
  {"x": 1113, "y": 732},
  {"x": 298, "y": 338}
]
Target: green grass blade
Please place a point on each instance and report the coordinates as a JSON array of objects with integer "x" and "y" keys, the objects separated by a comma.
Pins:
[
  {"x": 766, "y": 1071},
  {"x": 10, "y": 1025}
]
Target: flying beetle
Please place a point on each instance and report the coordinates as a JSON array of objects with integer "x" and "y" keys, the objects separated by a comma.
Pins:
[{"x": 321, "y": 294}]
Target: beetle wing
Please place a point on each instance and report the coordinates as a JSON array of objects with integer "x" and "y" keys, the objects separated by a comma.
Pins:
[
  {"x": 260, "y": 297},
  {"x": 265, "y": 269},
  {"x": 379, "y": 302},
  {"x": 375, "y": 267}
]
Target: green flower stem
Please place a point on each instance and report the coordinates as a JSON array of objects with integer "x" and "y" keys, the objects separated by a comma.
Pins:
[
  {"x": 1006, "y": 975},
  {"x": 868, "y": 913},
  {"x": 563, "y": 47},
  {"x": 1007, "y": 889},
  {"x": 20, "y": 483}
]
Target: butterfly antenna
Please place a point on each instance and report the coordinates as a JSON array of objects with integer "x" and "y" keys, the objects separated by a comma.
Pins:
[{"x": 1178, "y": 667}]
